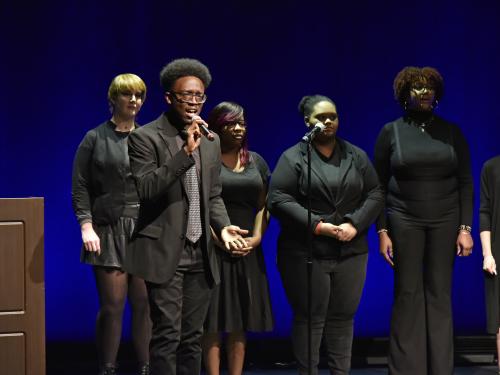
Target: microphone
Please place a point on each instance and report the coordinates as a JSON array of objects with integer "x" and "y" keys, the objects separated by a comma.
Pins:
[
  {"x": 318, "y": 127},
  {"x": 203, "y": 128},
  {"x": 206, "y": 132}
]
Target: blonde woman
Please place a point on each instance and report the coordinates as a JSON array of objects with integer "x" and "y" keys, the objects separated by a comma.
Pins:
[{"x": 106, "y": 205}]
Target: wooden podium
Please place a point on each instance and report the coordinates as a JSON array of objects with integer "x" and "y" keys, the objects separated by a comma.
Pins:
[{"x": 22, "y": 287}]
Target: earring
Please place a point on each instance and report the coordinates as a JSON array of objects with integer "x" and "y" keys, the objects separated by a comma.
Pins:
[
  {"x": 435, "y": 104},
  {"x": 405, "y": 105}
]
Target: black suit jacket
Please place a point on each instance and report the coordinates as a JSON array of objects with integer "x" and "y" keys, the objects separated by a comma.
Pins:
[
  {"x": 158, "y": 166},
  {"x": 358, "y": 200}
]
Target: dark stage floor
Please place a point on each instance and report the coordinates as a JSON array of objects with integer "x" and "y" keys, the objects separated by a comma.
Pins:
[
  {"x": 476, "y": 370},
  {"x": 473, "y": 356}
]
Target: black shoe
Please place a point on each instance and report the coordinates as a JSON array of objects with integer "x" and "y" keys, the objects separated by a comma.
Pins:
[
  {"x": 144, "y": 369},
  {"x": 108, "y": 369}
]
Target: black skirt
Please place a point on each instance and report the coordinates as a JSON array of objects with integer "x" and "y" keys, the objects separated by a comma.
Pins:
[
  {"x": 241, "y": 301},
  {"x": 114, "y": 239}
]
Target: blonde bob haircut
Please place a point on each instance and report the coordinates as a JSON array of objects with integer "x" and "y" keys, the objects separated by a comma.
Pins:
[{"x": 123, "y": 83}]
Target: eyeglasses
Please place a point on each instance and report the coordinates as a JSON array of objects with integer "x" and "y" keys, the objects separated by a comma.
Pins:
[
  {"x": 232, "y": 125},
  {"x": 420, "y": 86},
  {"x": 188, "y": 97}
]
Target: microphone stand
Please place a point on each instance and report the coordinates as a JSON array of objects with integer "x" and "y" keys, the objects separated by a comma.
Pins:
[
  {"x": 309, "y": 259},
  {"x": 308, "y": 138}
]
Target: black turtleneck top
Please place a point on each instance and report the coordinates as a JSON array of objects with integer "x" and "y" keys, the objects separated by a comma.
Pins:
[{"x": 423, "y": 163}]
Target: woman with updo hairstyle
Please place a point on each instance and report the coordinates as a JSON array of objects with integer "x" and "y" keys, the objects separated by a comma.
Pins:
[
  {"x": 106, "y": 205},
  {"x": 345, "y": 200},
  {"x": 423, "y": 164},
  {"x": 241, "y": 301}
]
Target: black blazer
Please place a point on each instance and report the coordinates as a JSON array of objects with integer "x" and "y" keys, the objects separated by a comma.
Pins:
[
  {"x": 101, "y": 181},
  {"x": 158, "y": 166},
  {"x": 358, "y": 200}
]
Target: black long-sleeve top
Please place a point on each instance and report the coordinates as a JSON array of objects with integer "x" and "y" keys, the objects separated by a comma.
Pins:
[
  {"x": 420, "y": 167},
  {"x": 351, "y": 195},
  {"x": 102, "y": 184},
  {"x": 489, "y": 220}
]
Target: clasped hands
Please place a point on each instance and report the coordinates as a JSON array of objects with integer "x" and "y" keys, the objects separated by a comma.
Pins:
[{"x": 343, "y": 232}]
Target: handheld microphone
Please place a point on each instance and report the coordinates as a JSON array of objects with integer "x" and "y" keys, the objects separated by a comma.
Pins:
[
  {"x": 206, "y": 132},
  {"x": 318, "y": 127},
  {"x": 203, "y": 128}
]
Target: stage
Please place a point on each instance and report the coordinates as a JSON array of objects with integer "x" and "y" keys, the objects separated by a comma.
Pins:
[
  {"x": 474, "y": 355},
  {"x": 476, "y": 370}
]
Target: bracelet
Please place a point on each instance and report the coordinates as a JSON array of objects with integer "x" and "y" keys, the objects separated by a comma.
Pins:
[
  {"x": 318, "y": 227},
  {"x": 382, "y": 231},
  {"x": 464, "y": 227}
]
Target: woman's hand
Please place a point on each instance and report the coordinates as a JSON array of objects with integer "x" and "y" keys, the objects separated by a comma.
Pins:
[
  {"x": 489, "y": 265},
  {"x": 328, "y": 229},
  {"x": 233, "y": 241},
  {"x": 90, "y": 239},
  {"x": 253, "y": 242},
  {"x": 464, "y": 243},
  {"x": 343, "y": 232},
  {"x": 385, "y": 247},
  {"x": 346, "y": 232}
]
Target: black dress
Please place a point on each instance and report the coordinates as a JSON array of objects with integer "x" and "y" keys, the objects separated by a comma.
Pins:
[
  {"x": 241, "y": 301},
  {"x": 104, "y": 193},
  {"x": 489, "y": 220}
]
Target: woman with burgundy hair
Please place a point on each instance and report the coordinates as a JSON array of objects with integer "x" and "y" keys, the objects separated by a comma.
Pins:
[{"x": 241, "y": 301}]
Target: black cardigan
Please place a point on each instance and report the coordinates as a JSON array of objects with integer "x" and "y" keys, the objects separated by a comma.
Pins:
[
  {"x": 489, "y": 220},
  {"x": 358, "y": 200},
  {"x": 102, "y": 183}
]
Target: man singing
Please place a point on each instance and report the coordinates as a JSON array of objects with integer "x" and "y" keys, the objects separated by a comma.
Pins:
[{"x": 176, "y": 170}]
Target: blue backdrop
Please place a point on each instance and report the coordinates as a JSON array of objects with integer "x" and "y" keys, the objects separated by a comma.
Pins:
[{"x": 57, "y": 60}]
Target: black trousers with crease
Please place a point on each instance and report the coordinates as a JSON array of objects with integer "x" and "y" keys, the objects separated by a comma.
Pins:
[
  {"x": 178, "y": 310},
  {"x": 421, "y": 338}
]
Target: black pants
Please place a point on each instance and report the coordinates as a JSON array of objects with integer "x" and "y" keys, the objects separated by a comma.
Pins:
[
  {"x": 336, "y": 291},
  {"x": 178, "y": 310},
  {"x": 421, "y": 339}
]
